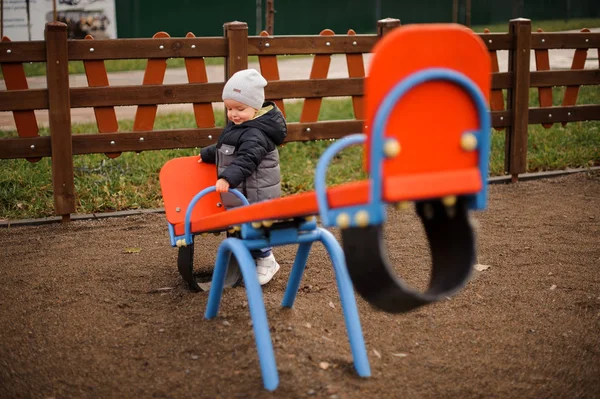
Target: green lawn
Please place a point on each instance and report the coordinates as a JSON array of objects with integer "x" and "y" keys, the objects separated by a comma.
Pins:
[{"x": 131, "y": 181}]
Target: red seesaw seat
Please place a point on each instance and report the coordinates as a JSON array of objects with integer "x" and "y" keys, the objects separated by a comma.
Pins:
[{"x": 182, "y": 178}]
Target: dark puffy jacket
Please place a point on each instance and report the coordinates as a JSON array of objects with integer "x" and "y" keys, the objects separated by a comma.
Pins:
[{"x": 246, "y": 156}]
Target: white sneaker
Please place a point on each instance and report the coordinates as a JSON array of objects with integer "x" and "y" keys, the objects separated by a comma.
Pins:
[{"x": 266, "y": 269}]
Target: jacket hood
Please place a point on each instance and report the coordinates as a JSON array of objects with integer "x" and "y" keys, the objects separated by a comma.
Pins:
[{"x": 272, "y": 124}]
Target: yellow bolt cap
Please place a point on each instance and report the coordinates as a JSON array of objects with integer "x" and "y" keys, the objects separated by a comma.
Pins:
[
  {"x": 468, "y": 142},
  {"x": 449, "y": 200},
  {"x": 362, "y": 218},
  {"x": 403, "y": 205},
  {"x": 343, "y": 220},
  {"x": 391, "y": 148}
]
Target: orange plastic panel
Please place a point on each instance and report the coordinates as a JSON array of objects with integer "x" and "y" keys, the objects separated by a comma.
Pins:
[
  {"x": 180, "y": 180},
  {"x": 15, "y": 79},
  {"x": 196, "y": 72},
  {"x": 395, "y": 189},
  {"x": 496, "y": 97},
  {"x": 270, "y": 70},
  {"x": 356, "y": 69},
  {"x": 106, "y": 118},
  {"x": 542, "y": 63},
  {"x": 429, "y": 121},
  {"x": 154, "y": 75},
  {"x": 571, "y": 92},
  {"x": 320, "y": 68}
]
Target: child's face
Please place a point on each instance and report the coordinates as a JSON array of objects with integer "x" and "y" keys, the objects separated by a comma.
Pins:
[{"x": 238, "y": 112}]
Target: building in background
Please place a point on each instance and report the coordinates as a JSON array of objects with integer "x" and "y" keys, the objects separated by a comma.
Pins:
[{"x": 25, "y": 19}]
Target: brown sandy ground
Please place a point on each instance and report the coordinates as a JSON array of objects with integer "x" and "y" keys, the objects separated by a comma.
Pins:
[{"x": 84, "y": 316}]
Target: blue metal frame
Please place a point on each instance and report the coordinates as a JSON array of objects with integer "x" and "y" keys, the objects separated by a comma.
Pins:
[
  {"x": 304, "y": 234},
  {"x": 375, "y": 208},
  {"x": 240, "y": 248},
  {"x": 327, "y": 215},
  {"x": 188, "y": 236}
]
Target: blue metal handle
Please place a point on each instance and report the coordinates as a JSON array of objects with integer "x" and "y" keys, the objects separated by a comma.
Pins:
[
  {"x": 391, "y": 99},
  {"x": 194, "y": 201},
  {"x": 321, "y": 172}
]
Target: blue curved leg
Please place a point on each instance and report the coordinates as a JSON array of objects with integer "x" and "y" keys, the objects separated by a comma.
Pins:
[
  {"x": 296, "y": 275},
  {"x": 264, "y": 346},
  {"x": 357, "y": 342}
]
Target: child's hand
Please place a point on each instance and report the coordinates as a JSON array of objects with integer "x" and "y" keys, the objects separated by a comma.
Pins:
[
  {"x": 222, "y": 185},
  {"x": 199, "y": 158}
]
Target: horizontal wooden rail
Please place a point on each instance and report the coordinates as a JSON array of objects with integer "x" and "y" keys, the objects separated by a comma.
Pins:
[
  {"x": 146, "y": 94},
  {"x": 561, "y": 40},
  {"x": 18, "y": 100},
  {"x": 501, "y": 119},
  {"x": 176, "y": 93},
  {"x": 565, "y": 78},
  {"x": 164, "y": 139},
  {"x": 23, "y": 51},
  {"x": 147, "y": 48},
  {"x": 323, "y": 130},
  {"x": 537, "y": 115},
  {"x": 564, "y": 114},
  {"x": 502, "y": 80},
  {"x": 338, "y": 44},
  {"x": 497, "y": 41}
]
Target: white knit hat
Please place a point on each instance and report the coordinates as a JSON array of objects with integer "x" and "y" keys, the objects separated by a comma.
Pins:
[{"x": 247, "y": 87}]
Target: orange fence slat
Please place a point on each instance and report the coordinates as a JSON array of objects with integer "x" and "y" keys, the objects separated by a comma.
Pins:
[
  {"x": 542, "y": 63},
  {"x": 106, "y": 118},
  {"x": 496, "y": 97},
  {"x": 270, "y": 71},
  {"x": 196, "y": 73},
  {"x": 15, "y": 79},
  {"x": 356, "y": 69},
  {"x": 154, "y": 75},
  {"x": 320, "y": 68},
  {"x": 571, "y": 92}
]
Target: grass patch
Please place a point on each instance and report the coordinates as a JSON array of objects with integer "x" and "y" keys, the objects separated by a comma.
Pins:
[
  {"x": 131, "y": 181},
  {"x": 546, "y": 25}
]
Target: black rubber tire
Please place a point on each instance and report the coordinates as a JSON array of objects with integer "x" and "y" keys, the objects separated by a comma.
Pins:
[
  {"x": 452, "y": 245},
  {"x": 185, "y": 265}
]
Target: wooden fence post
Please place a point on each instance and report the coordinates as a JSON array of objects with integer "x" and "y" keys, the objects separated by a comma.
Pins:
[
  {"x": 59, "y": 112},
  {"x": 515, "y": 149},
  {"x": 385, "y": 25},
  {"x": 236, "y": 34}
]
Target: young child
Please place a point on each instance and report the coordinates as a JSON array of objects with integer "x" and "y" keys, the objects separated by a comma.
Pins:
[{"x": 246, "y": 152}]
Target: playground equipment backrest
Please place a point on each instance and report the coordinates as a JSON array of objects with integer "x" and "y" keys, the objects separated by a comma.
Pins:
[{"x": 426, "y": 140}]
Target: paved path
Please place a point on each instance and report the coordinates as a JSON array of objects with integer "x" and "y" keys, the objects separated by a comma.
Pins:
[{"x": 290, "y": 69}]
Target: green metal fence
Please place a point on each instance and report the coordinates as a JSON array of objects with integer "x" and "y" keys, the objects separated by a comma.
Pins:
[{"x": 137, "y": 18}]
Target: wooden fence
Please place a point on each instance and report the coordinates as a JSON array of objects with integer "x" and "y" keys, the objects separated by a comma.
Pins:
[{"x": 236, "y": 46}]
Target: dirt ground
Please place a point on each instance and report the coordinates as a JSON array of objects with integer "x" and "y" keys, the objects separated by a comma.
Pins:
[{"x": 83, "y": 314}]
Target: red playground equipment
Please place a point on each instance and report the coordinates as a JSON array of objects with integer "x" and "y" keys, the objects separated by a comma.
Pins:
[{"x": 426, "y": 140}]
